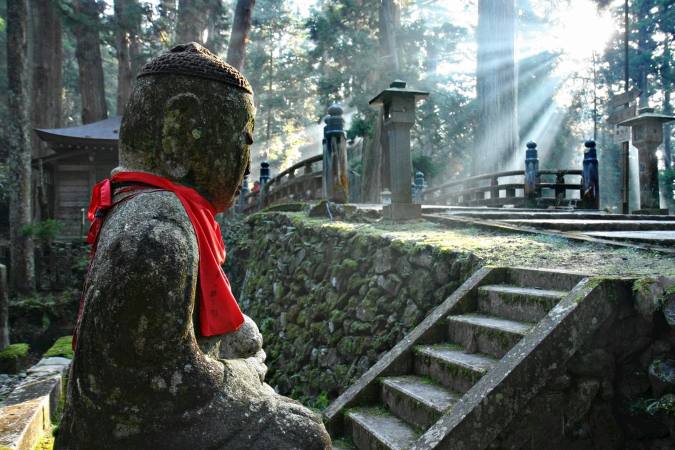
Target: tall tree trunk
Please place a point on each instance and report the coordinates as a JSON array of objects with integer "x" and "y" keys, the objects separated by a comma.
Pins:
[
  {"x": 497, "y": 131},
  {"x": 236, "y": 50},
  {"x": 216, "y": 24},
  {"x": 127, "y": 29},
  {"x": 21, "y": 246},
  {"x": 667, "y": 87},
  {"x": 645, "y": 53},
  {"x": 164, "y": 28},
  {"x": 89, "y": 62},
  {"x": 375, "y": 167},
  {"x": 47, "y": 70},
  {"x": 390, "y": 18},
  {"x": 192, "y": 21}
]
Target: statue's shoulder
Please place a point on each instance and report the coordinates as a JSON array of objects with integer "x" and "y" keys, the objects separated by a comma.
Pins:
[{"x": 153, "y": 221}]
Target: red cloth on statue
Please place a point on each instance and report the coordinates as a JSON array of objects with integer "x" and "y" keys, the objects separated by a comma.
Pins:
[{"x": 219, "y": 312}]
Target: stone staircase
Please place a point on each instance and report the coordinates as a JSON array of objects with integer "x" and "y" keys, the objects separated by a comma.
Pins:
[{"x": 455, "y": 359}]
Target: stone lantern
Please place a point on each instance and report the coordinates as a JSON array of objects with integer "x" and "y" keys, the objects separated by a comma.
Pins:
[
  {"x": 647, "y": 134},
  {"x": 398, "y": 109}
]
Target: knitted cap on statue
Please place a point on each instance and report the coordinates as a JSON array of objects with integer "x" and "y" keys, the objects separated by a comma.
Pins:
[{"x": 143, "y": 376}]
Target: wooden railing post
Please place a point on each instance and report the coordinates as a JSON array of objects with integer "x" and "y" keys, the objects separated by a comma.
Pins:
[
  {"x": 264, "y": 174},
  {"x": 335, "y": 168},
  {"x": 494, "y": 192},
  {"x": 264, "y": 179},
  {"x": 532, "y": 178},
  {"x": 560, "y": 191},
  {"x": 590, "y": 185}
]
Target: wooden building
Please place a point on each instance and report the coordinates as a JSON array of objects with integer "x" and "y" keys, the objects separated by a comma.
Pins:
[{"x": 79, "y": 158}]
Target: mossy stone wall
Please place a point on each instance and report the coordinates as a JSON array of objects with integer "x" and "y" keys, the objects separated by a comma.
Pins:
[{"x": 331, "y": 301}]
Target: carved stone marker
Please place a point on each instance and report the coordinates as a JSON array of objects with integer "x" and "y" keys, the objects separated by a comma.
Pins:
[
  {"x": 144, "y": 376},
  {"x": 647, "y": 132},
  {"x": 398, "y": 109}
]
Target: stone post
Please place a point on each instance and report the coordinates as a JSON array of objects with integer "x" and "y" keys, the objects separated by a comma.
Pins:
[
  {"x": 590, "y": 184},
  {"x": 398, "y": 107},
  {"x": 335, "y": 167},
  {"x": 647, "y": 133},
  {"x": 419, "y": 187},
  {"x": 532, "y": 177}
]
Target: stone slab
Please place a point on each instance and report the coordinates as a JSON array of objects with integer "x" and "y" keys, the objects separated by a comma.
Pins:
[
  {"x": 376, "y": 429},
  {"x": 658, "y": 237},
  {"x": 402, "y": 211},
  {"x": 22, "y": 425},
  {"x": 596, "y": 225},
  {"x": 27, "y": 412}
]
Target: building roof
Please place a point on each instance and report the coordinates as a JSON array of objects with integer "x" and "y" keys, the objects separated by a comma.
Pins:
[{"x": 104, "y": 133}]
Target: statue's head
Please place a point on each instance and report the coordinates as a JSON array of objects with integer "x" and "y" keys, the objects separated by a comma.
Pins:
[{"x": 190, "y": 119}]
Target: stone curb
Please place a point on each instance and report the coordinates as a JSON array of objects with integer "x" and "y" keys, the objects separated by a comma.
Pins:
[{"x": 27, "y": 413}]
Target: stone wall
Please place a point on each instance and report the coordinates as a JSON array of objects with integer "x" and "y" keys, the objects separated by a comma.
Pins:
[
  {"x": 616, "y": 392},
  {"x": 330, "y": 301}
]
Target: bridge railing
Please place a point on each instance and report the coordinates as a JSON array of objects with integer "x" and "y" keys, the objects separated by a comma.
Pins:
[
  {"x": 500, "y": 188},
  {"x": 301, "y": 181},
  {"x": 532, "y": 188}
]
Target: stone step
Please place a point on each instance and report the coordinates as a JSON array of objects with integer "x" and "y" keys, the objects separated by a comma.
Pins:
[
  {"x": 594, "y": 225},
  {"x": 646, "y": 237},
  {"x": 506, "y": 214},
  {"x": 377, "y": 429},
  {"x": 450, "y": 366},
  {"x": 517, "y": 303},
  {"x": 417, "y": 400},
  {"x": 489, "y": 335},
  {"x": 542, "y": 279}
]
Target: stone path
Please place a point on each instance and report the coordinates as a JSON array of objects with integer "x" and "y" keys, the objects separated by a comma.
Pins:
[{"x": 652, "y": 232}]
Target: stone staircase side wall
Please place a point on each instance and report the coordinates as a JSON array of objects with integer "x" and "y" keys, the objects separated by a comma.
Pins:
[{"x": 493, "y": 403}]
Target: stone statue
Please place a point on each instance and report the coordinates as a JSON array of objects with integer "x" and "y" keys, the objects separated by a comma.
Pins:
[{"x": 143, "y": 375}]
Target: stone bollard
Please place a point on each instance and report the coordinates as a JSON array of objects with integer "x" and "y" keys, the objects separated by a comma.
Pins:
[
  {"x": 418, "y": 187},
  {"x": 532, "y": 177},
  {"x": 335, "y": 167},
  {"x": 647, "y": 135},
  {"x": 590, "y": 185},
  {"x": 397, "y": 105}
]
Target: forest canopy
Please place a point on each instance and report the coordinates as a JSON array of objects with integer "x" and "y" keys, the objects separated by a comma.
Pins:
[{"x": 301, "y": 56}]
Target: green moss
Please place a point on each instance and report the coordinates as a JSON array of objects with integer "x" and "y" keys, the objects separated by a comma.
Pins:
[
  {"x": 62, "y": 347},
  {"x": 643, "y": 285},
  {"x": 14, "y": 351},
  {"x": 496, "y": 247},
  {"x": 349, "y": 264}
]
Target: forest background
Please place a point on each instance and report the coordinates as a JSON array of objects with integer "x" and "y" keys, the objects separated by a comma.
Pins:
[{"x": 301, "y": 56}]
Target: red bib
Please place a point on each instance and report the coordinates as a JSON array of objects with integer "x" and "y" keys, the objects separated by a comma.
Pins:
[{"x": 218, "y": 309}]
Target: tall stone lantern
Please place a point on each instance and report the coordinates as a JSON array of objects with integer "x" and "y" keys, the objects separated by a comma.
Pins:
[
  {"x": 398, "y": 110},
  {"x": 647, "y": 134}
]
